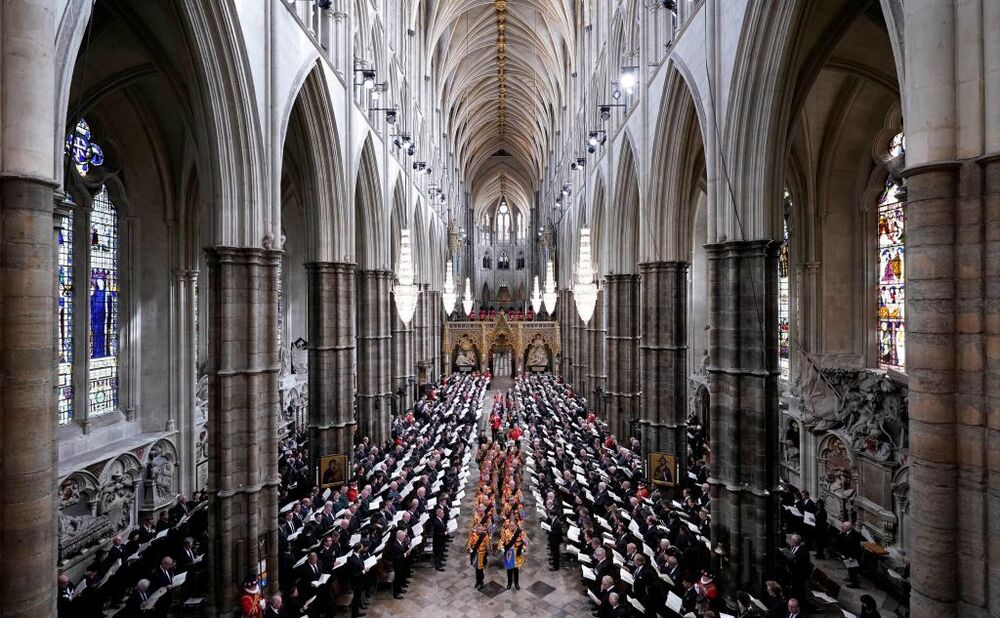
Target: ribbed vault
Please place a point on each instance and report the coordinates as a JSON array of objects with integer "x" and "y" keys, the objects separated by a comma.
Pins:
[{"x": 462, "y": 40}]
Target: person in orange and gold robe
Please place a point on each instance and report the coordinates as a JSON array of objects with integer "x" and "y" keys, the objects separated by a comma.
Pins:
[{"x": 479, "y": 546}]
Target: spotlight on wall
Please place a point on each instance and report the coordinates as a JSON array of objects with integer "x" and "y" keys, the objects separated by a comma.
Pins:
[
  {"x": 406, "y": 142},
  {"x": 605, "y": 109},
  {"x": 367, "y": 78},
  {"x": 324, "y": 4},
  {"x": 566, "y": 191},
  {"x": 390, "y": 113},
  {"x": 596, "y": 138}
]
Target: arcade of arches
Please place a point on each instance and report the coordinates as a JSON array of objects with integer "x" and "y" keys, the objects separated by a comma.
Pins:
[{"x": 238, "y": 238}]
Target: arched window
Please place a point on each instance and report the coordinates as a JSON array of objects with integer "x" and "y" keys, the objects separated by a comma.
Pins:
[
  {"x": 503, "y": 223},
  {"x": 784, "y": 347},
  {"x": 891, "y": 271},
  {"x": 102, "y": 389},
  {"x": 97, "y": 259}
]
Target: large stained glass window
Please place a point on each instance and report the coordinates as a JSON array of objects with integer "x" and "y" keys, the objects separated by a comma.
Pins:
[
  {"x": 103, "y": 387},
  {"x": 82, "y": 150},
  {"x": 891, "y": 278},
  {"x": 65, "y": 317},
  {"x": 784, "y": 348},
  {"x": 503, "y": 223}
]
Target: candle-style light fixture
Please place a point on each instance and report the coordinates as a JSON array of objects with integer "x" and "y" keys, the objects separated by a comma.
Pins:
[
  {"x": 467, "y": 301},
  {"x": 585, "y": 290},
  {"x": 406, "y": 291},
  {"x": 448, "y": 295},
  {"x": 550, "y": 296},
  {"x": 536, "y": 297}
]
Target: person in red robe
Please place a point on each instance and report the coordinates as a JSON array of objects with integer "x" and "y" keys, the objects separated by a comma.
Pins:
[{"x": 252, "y": 602}]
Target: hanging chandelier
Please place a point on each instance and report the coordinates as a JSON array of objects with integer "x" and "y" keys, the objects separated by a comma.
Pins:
[
  {"x": 448, "y": 295},
  {"x": 585, "y": 290},
  {"x": 467, "y": 301},
  {"x": 550, "y": 296},
  {"x": 406, "y": 291},
  {"x": 536, "y": 297}
]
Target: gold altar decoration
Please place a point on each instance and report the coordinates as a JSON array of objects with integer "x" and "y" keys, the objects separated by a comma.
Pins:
[{"x": 487, "y": 334}]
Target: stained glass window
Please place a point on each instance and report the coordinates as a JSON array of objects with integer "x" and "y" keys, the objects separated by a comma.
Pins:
[
  {"x": 784, "y": 348},
  {"x": 891, "y": 278},
  {"x": 898, "y": 145},
  {"x": 103, "y": 386},
  {"x": 82, "y": 150},
  {"x": 65, "y": 317}
]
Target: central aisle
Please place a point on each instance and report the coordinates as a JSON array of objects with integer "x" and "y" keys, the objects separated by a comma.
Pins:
[{"x": 450, "y": 593}]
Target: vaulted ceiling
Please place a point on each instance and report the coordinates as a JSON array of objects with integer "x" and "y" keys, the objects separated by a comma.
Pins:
[{"x": 490, "y": 139}]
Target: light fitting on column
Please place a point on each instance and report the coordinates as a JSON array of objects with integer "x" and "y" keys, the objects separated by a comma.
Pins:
[
  {"x": 390, "y": 113},
  {"x": 627, "y": 79},
  {"x": 467, "y": 301},
  {"x": 550, "y": 296},
  {"x": 579, "y": 165},
  {"x": 536, "y": 297},
  {"x": 406, "y": 291},
  {"x": 605, "y": 109},
  {"x": 448, "y": 295},
  {"x": 367, "y": 78},
  {"x": 585, "y": 290}
]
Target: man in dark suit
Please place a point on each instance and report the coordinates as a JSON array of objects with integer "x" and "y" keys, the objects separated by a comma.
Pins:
[
  {"x": 163, "y": 576},
  {"x": 356, "y": 578},
  {"x": 617, "y": 610},
  {"x": 397, "y": 554},
  {"x": 793, "y": 608},
  {"x": 849, "y": 545},
  {"x": 555, "y": 537},
  {"x": 310, "y": 572},
  {"x": 799, "y": 565},
  {"x": 133, "y": 607},
  {"x": 602, "y": 594},
  {"x": 647, "y": 585},
  {"x": 602, "y": 567},
  {"x": 187, "y": 556},
  {"x": 180, "y": 509},
  {"x": 440, "y": 537},
  {"x": 276, "y": 608}
]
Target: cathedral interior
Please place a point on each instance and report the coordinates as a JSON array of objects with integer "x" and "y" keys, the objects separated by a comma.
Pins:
[{"x": 700, "y": 299}]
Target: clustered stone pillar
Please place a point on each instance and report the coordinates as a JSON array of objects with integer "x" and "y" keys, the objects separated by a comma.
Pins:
[
  {"x": 578, "y": 337},
  {"x": 597, "y": 377},
  {"x": 331, "y": 299},
  {"x": 954, "y": 362},
  {"x": 421, "y": 334},
  {"x": 244, "y": 400},
  {"x": 435, "y": 330},
  {"x": 565, "y": 315},
  {"x": 374, "y": 353},
  {"x": 664, "y": 380},
  {"x": 743, "y": 376},
  {"x": 28, "y": 547},
  {"x": 403, "y": 361},
  {"x": 622, "y": 352}
]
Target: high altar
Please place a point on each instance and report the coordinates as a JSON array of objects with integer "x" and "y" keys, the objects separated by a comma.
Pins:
[{"x": 470, "y": 345}]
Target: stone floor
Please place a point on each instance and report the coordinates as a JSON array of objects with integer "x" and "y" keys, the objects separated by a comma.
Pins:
[{"x": 450, "y": 594}]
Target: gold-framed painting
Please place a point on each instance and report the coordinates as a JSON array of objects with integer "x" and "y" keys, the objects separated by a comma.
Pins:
[
  {"x": 662, "y": 469},
  {"x": 332, "y": 471}
]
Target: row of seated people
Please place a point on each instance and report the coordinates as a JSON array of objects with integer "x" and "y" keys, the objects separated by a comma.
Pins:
[
  {"x": 338, "y": 543},
  {"x": 648, "y": 551},
  {"x": 149, "y": 569}
]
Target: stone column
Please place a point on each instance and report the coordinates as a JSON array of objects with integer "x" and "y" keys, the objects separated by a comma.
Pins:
[
  {"x": 374, "y": 354},
  {"x": 332, "y": 324},
  {"x": 243, "y": 370},
  {"x": 404, "y": 365},
  {"x": 597, "y": 331},
  {"x": 623, "y": 352},
  {"x": 743, "y": 377},
  {"x": 28, "y": 547},
  {"x": 435, "y": 324},
  {"x": 578, "y": 336},
  {"x": 663, "y": 424},
  {"x": 421, "y": 330},
  {"x": 564, "y": 314}
]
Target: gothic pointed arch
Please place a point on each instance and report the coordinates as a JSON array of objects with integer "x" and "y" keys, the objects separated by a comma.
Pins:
[{"x": 371, "y": 229}]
